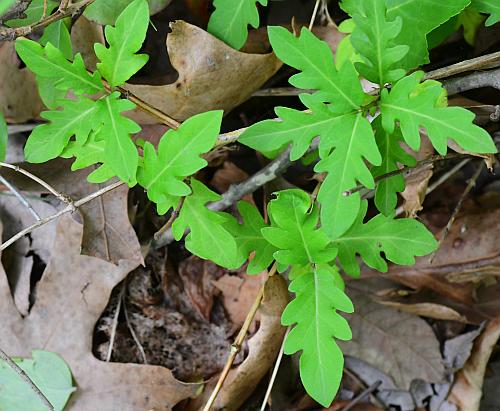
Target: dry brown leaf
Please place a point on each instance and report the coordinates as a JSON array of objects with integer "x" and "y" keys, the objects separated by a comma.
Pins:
[
  {"x": 429, "y": 310},
  {"x": 71, "y": 295},
  {"x": 19, "y": 99},
  {"x": 212, "y": 75},
  {"x": 84, "y": 34},
  {"x": 467, "y": 390},
  {"x": 399, "y": 344},
  {"x": 263, "y": 348}
]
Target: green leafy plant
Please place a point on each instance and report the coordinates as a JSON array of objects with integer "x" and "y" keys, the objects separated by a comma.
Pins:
[
  {"x": 491, "y": 7},
  {"x": 359, "y": 140}
]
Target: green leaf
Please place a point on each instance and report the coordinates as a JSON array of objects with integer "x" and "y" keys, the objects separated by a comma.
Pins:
[
  {"x": 4, "y": 136},
  {"x": 229, "y": 22},
  {"x": 399, "y": 239},
  {"x": 49, "y": 62},
  {"x": 58, "y": 35},
  {"x": 5, "y": 6},
  {"x": 120, "y": 152},
  {"x": 491, "y": 7},
  {"x": 106, "y": 12},
  {"x": 414, "y": 108},
  {"x": 50, "y": 374},
  {"x": 314, "y": 310},
  {"x": 420, "y": 17},
  {"x": 373, "y": 37},
  {"x": 389, "y": 145},
  {"x": 178, "y": 157},
  {"x": 47, "y": 141},
  {"x": 119, "y": 62},
  {"x": 249, "y": 238},
  {"x": 314, "y": 59},
  {"x": 343, "y": 154},
  {"x": 34, "y": 13},
  {"x": 208, "y": 238},
  {"x": 294, "y": 230}
]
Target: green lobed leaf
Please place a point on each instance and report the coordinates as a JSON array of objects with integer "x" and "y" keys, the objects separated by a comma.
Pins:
[
  {"x": 249, "y": 238},
  {"x": 178, "y": 156},
  {"x": 343, "y": 156},
  {"x": 49, "y": 62},
  {"x": 229, "y": 22},
  {"x": 120, "y": 152},
  {"x": 294, "y": 230},
  {"x": 373, "y": 38},
  {"x": 415, "y": 107},
  {"x": 393, "y": 155},
  {"x": 314, "y": 311},
  {"x": 491, "y": 7},
  {"x": 47, "y": 141},
  {"x": 118, "y": 62},
  {"x": 4, "y": 136},
  {"x": 33, "y": 13},
  {"x": 208, "y": 237},
  {"x": 50, "y": 374},
  {"x": 399, "y": 239},
  {"x": 58, "y": 35},
  {"x": 420, "y": 17},
  {"x": 314, "y": 59}
]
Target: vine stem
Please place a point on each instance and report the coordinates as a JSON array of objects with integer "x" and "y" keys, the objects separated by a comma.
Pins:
[
  {"x": 20, "y": 197},
  {"x": 238, "y": 342},
  {"x": 19, "y": 371},
  {"x": 170, "y": 221},
  {"x": 68, "y": 209}
]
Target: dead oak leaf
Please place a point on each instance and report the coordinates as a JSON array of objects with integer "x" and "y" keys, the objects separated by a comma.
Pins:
[
  {"x": 71, "y": 295},
  {"x": 212, "y": 75}
]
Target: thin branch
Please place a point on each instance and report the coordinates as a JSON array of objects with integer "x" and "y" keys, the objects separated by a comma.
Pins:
[
  {"x": 314, "y": 13},
  {"x": 16, "y": 11},
  {"x": 19, "y": 371},
  {"x": 473, "y": 81},
  {"x": 362, "y": 395},
  {"x": 38, "y": 180},
  {"x": 133, "y": 334},
  {"x": 171, "y": 220},
  {"x": 470, "y": 186},
  {"x": 13, "y": 33},
  {"x": 20, "y": 197},
  {"x": 68, "y": 209},
  {"x": 114, "y": 325},
  {"x": 275, "y": 371},
  {"x": 238, "y": 342},
  {"x": 479, "y": 63}
]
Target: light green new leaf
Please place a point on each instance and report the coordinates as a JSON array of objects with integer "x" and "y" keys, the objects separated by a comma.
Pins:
[
  {"x": 389, "y": 145},
  {"x": 49, "y": 62},
  {"x": 373, "y": 37},
  {"x": 314, "y": 311},
  {"x": 314, "y": 59},
  {"x": 33, "y": 13},
  {"x": 208, "y": 237},
  {"x": 49, "y": 373},
  {"x": 491, "y": 7},
  {"x": 420, "y": 17},
  {"x": 58, "y": 35},
  {"x": 47, "y": 141},
  {"x": 296, "y": 127},
  {"x": 343, "y": 154},
  {"x": 249, "y": 238},
  {"x": 229, "y": 22},
  {"x": 4, "y": 135},
  {"x": 178, "y": 157},
  {"x": 294, "y": 230},
  {"x": 119, "y": 62},
  {"x": 5, "y": 5},
  {"x": 399, "y": 239},
  {"x": 415, "y": 107},
  {"x": 120, "y": 152}
]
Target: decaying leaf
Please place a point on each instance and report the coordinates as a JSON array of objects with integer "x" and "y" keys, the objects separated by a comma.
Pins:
[
  {"x": 212, "y": 75},
  {"x": 429, "y": 310},
  {"x": 19, "y": 100},
  {"x": 401, "y": 345},
  {"x": 84, "y": 34},
  {"x": 263, "y": 348},
  {"x": 71, "y": 295},
  {"x": 467, "y": 390}
]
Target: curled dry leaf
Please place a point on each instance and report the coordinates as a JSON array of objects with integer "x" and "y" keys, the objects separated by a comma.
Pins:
[
  {"x": 467, "y": 390},
  {"x": 212, "y": 75},
  {"x": 263, "y": 348},
  {"x": 401, "y": 345},
  {"x": 19, "y": 100},
  {"x": 71, "y": 295}
]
